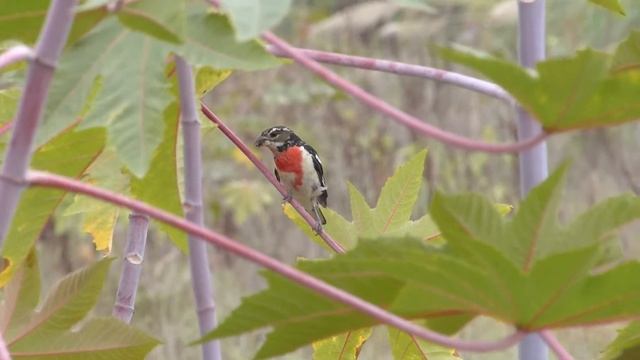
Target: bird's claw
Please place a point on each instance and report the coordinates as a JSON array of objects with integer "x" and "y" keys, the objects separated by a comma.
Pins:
[
  {"x": 287, "y": 198},
  {"x": 318, "y": 228}
]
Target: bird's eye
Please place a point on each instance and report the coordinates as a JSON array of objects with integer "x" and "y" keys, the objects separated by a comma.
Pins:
[{"x": 272, "y": 135}]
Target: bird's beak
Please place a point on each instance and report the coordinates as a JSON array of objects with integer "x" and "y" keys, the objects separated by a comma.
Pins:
[{"x": 260, "y": 141}]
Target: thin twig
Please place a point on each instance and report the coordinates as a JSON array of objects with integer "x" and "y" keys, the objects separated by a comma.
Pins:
[
  {"x": 44, "y": 179},
  {"x": 15, "y": 54},
  {"x": 335, "y": 246},
  {"x": 395, "y": 113},
  {"x": 198, "y": 260},
  {"x": 400, "y": 68},
  {"x": 131, "y": 267},
  {"x": 555, "y": 345}
]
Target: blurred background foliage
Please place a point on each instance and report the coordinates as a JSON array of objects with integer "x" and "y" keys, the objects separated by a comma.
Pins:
[{"x": 360, "y": 146}]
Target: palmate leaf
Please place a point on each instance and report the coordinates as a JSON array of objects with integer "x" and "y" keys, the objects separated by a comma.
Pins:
[
  {"x": 611, "y": 5},
  {"x": 252, "y": 17},
  {"x": 46, "y": 333},
  {"x": 99, "y": 217},
  {"x": 408, "y": 347},
  {"x": 341, "y": 347},
  {"x": 128, "y": 94},
  {"x": 132, "y": 97},
  {"x": 577, "y": 92},
  {"x": 163, "y": 19},
  {"x": 210, "y": 41},
  {"x": 68, "y": 154},
  {"x": 390, "y": 217},
  {"x": 533, "y": 285},
  {"x": 22, "y": 20},
  {"x": 626, "y": 346}
]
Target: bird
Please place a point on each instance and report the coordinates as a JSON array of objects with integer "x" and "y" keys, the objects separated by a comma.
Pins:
[{"x": 298, "y": 168}]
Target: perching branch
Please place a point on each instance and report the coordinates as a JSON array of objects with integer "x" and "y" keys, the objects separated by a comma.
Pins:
[
  {"x": 400, "y": 116},
  {"x": 34, "y": 97},
  {"x": 399, "y": 68},
  {"x": 15, "y": 54},
  {"x": 555, "y": 345},
  {"x": 132, "y": 267},
  {"x": 43, "y": 179},
  {"x": 269, "y": 175},
  {"x": 198, "y": 260}
]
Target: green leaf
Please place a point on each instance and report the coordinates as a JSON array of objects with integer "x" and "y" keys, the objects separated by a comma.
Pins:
[
  {"x": 252, "y": 17},
  {"x": 68, "y": 302},
  {"x": 409, "y": 347},
  {"x": 627, "y": 55},
  {"x": 626, "y": 346},
  {"x": 208, "y": 78},
  {"x": 100, "y": 217},
  {"x": 566, "y": 93},
  {"x": 159, "y": 187},
  {"x": 611, "y": 5},
  {"x": 210, "y": 42},
  {"x": 398, "y": 196},
  {"x": 163, "y": 19},
  {"x": 390, "y": 217},
  {"x": 22, "y": 295},
  {"x": 69, "y": 155},
  {"x": 101, "y": 338},
  {"x": 510, "y": 270},
  {"x": 133, "y": 96},
  {"x": 22, "y": 20},
  {"x": 46, "y": 333},
  {"x": 341, "y": 347}
]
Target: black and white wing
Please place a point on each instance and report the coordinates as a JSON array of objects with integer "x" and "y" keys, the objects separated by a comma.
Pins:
[{"x": 317, "y": 165}]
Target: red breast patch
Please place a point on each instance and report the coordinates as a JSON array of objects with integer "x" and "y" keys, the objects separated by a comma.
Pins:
[{"x": 290, "y": 161}]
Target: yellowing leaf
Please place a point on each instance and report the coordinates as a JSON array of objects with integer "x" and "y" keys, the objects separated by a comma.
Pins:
[
  {"x": 100, "y": 225},
  {"x": 341, "y": 347},
  {"x": 208, "y": 78}
]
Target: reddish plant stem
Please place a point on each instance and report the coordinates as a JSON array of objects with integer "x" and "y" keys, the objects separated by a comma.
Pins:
[
  {"x": 4, "y": 352},
  {"x": 555, "y": 345},
  {"x": 34, "y": 97},
  {"x": 15, "y": 54},
  {"x": 399, "y": 68},
  {"x": 393, "y": 112},
  {"x": 43, "y": 179},
  {"x": 131, "y": 267},
  {"x": 335, "y": 246},
  {"x": 201, "y": 279}
]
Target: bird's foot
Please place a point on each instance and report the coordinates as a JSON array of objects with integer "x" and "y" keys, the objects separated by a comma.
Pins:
[
  {"x": 287, "y": 198},
  {"x": 318, "y": 228}
]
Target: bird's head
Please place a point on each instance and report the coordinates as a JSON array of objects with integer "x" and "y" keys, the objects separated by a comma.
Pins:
[{"x": 276, "y": 138}]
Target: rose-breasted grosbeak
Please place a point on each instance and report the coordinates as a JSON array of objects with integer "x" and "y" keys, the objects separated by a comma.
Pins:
[{"x": 298, "y": 168}]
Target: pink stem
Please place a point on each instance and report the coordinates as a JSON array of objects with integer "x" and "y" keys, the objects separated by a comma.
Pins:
[
  {"x": 269, "y": 175},
  {"x": 15, "y": 54},
  {"x": 5, "y": 127},
  {"x": 4, "y": 352},
  {"x": 39, "y": 178},
  {"x": 400, "y": 68},
  {"x": 399, "y": 115},
  {"x": 555, "y": 345}
]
